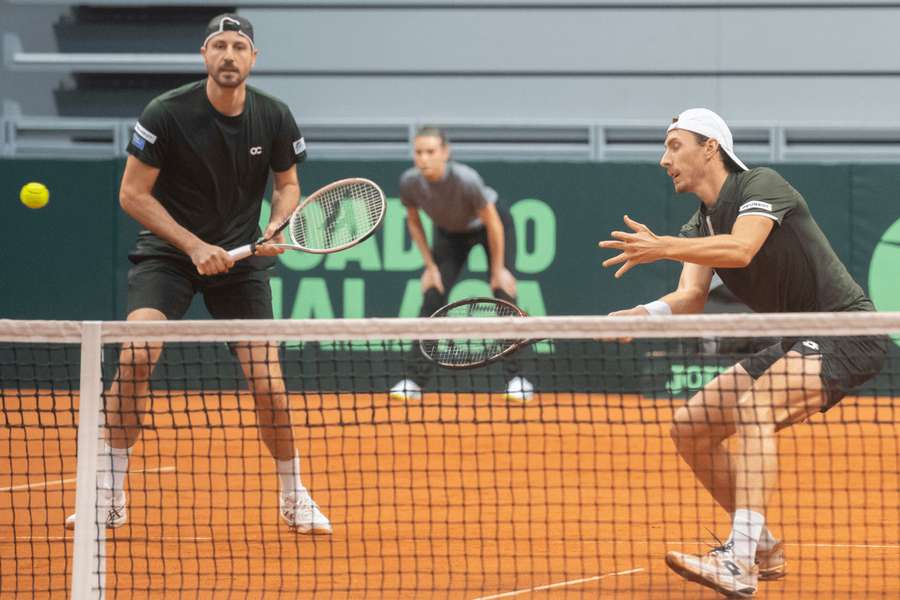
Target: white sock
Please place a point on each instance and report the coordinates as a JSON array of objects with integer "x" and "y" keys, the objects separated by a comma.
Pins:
[
  {"x": 112, "y": 466},
  {"x": 745, "y": 533},
  {"x": 289, "y": 473},
  {"x": 767, "y": 541}
]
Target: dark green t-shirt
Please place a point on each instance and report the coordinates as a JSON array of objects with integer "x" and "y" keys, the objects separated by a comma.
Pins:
[
  {"x": 796, "y": 270},
  {"x": 213, "y": 168}
]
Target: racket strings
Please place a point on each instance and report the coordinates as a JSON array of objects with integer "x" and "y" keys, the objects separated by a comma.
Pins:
[
  {"x": 470, "y": 351},
  {"x": 339, "y": 216}
]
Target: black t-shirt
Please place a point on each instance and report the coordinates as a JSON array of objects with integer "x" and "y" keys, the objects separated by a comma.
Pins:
[
  {"x": 796, "y": 269},
  {"x": 213, "y": 168}
]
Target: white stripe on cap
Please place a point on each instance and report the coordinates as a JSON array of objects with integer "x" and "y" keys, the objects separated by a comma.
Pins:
[{"x": 222, "y": 30}]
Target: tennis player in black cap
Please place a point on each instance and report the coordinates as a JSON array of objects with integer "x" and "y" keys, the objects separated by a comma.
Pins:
[{"x": 200, "y": 158}]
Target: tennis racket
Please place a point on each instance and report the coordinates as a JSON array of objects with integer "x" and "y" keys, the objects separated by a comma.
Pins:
[
  {"x": 472, "y": 353},
  {"x": 334, "y": 218}
]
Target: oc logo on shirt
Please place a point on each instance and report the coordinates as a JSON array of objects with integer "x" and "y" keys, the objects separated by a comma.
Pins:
[{"x": 255, "y": 150}]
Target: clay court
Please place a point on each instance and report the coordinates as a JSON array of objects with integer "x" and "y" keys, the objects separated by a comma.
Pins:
[{"x": 457, "y": 497}]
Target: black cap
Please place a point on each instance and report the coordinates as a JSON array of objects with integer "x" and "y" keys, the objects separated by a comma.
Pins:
[{"x": 229, "y": 22}]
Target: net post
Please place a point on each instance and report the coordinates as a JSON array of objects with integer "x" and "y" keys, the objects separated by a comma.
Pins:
[{"x": 87, "y": 564}]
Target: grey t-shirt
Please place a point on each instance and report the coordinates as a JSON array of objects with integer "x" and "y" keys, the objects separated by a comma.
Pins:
[{"x": 453, "y": 202}]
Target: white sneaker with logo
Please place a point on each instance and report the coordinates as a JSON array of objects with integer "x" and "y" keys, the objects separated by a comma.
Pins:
[
  {"x": 718, "y": 569},
  {"x": 110, "y": 508},
  {"x": 519, "y": 389},
  {"x": 302, "y": 514},
  {"x": 405, "y": 390}
]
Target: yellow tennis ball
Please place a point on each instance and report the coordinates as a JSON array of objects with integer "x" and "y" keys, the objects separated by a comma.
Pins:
[{"x": 34, "y": 195}]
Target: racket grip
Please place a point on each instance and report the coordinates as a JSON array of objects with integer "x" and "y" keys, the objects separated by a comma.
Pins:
[{"x": 242, "y": 251}]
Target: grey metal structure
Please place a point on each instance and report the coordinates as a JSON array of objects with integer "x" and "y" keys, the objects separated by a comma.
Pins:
[{"x": 518, "y": 79}]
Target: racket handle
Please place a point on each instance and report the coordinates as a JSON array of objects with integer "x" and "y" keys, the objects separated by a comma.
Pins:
[{"x": 242, "y": 251}]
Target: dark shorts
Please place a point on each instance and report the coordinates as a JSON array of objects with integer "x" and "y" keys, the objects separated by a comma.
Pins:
[
  {"x": 847, "y": 362},
  {"x": 169, "y": 285}
]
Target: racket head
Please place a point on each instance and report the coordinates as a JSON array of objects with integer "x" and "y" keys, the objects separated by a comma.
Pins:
[
  {"x": 337, "y": 216},
  {"x": 472, "y": 353}
]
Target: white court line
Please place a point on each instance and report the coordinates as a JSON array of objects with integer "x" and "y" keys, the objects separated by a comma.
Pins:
[
  {"x": 800, "y": 544},
  {"x": 60, "y": 538},
  {"x": 550, "y": 586},
  {"x": 43, "y": 484}
]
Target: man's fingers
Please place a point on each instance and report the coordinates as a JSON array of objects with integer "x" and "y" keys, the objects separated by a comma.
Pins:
[
  {"x": 634, "y": 224},
  {"x": 615, "y": 245},
  {"x": 615, "y": 260},
  {"x": 624, "y": 236},
  {"x": 625, "y": 268}
]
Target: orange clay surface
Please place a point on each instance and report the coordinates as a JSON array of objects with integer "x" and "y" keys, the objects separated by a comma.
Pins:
[{"x": 453, "y": 497}]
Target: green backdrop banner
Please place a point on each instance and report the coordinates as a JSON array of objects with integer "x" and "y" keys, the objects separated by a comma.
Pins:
[{"x": 68, "y": 260}]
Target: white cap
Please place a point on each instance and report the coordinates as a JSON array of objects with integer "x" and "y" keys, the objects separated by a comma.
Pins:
[{"x": 706, "y": 122}]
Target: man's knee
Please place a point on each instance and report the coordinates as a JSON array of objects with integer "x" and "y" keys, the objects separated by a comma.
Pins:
[
  {"x": 691, "y": 435},
  {"x": 140, "y": 358},
  {"x": 683, "y": 435},
  {"x": 754, "y": 411}
]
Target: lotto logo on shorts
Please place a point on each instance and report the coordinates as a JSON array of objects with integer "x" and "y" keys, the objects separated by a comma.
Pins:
[{"x": 811, "y": 345}]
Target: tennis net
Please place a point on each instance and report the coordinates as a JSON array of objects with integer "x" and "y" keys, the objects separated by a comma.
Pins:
[{"x": 576, "y": 491}]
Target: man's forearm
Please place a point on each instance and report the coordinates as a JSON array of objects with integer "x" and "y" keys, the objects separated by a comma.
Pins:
[
  {"x": 284, "y": 202},
  {"x": 149, "y": 212},
  {"x": 685, "y": 301},
  {"x": 723, "y": 251},
  {"x": 496, "y": 243},
  {"x": 417, "y": 233}
]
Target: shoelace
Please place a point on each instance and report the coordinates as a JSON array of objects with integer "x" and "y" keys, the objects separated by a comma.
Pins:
[{"x": 722, "y": 546}]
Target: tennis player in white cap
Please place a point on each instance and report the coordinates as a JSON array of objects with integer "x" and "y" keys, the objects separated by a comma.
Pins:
[{"x": 756, "y": 232}]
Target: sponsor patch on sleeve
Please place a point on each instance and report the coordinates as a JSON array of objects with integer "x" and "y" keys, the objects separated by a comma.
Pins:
[
  {"x": 137, "y": 141},
  {"x": 144, "y": 133},
  {"x": 300, "y": 146},
  {"x": 755, "y": 204}
]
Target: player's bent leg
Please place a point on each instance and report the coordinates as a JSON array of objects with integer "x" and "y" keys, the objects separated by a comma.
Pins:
[
  {"x": 702, "y": 424},
  {"x": 262, "y": 370},
  {"x": 125, "y": 404},
  {"x": 786, "y": 393}
]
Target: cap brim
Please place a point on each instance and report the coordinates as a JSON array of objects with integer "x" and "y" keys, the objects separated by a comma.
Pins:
[
  {"x": 736, "y": 160},
  {"x": 240, "y": 33}
]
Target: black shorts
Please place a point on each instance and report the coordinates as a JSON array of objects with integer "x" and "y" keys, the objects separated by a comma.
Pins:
[
  {"x": 169, "y": 285},
  {"x": 847, "y": 362}
]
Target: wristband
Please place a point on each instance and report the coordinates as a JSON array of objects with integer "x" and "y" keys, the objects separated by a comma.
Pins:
[{"x": 658, "y": 308}]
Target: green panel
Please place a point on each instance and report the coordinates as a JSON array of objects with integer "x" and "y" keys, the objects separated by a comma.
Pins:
[
  {"x": 876, "y": 209},
  {"x": 827, "y": 191},
  {"x": 561, "y": 211},
  {"x": 58, "y": 260}
]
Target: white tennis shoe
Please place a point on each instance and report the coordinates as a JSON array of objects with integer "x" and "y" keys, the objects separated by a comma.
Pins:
[
  {"x": 302, "y": 514},
  {"x": 405, "y": 390},
  {"x": 519, "y": 389},
  {"x": 110, "y": 507}
]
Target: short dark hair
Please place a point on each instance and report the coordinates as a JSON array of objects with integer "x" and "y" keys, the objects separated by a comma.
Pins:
[
  {"x": 432, "y": 131},
  {"x": 730, "y": 165}
]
